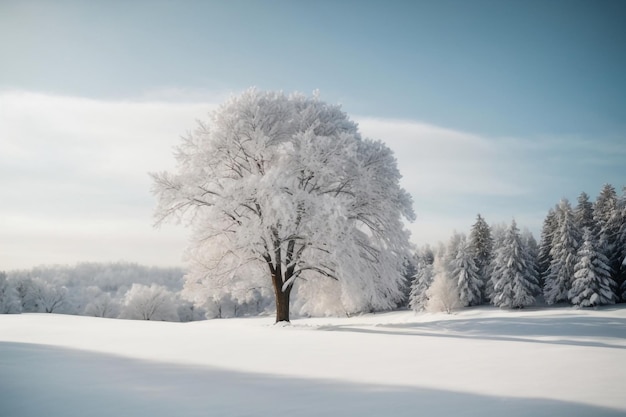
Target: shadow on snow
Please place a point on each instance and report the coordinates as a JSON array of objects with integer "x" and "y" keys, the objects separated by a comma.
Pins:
[
  {"x": 561, "y": 330},
  {"x": 43, "y": 380}
]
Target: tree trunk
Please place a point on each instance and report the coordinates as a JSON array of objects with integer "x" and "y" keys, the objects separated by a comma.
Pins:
[
  {"x": 282, "y": 302},
  {"x": 281, "y": 297}
]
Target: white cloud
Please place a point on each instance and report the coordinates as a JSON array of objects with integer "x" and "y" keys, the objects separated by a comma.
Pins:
[
  {"x": 74, "y": 175},
  {"x": 438, "y": 162},
  {"x": 449, "y": 172},
  {"x": 73, "y": 172}
]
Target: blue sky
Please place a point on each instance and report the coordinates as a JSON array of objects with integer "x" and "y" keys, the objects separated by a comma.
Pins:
[{"x": 498, "y": 107}]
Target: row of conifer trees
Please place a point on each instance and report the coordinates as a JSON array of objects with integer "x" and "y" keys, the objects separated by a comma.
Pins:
[{"x": 580, "y": 259}]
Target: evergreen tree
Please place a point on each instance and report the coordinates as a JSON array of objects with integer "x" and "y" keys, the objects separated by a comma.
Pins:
[
  {"x": 410, "y": 270},
  {"x": 583, "y": 213},
  {"x": 465, "y": 274},
  {"x": 605, "y": 206},
  {"x": 426, "y": 255},
  {"x": 550, "y": 225},
  {"x": 621, "y": 246},
  {"x": 531, "y": 248},
  {"x": 514, "y": 278},
  {"x": 481, "y": 246},
  {"x": 498, "y": 234},
  {"x": 607, "y": 215},
  {"x": 564, "y": 247},
  {"x": 418, "y": 298},
  {"x": 451, "y": 250},
  {"x": 592, "y": 281}
]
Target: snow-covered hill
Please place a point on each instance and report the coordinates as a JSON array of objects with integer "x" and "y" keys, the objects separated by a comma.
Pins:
[{"x": 479, "y": 362}]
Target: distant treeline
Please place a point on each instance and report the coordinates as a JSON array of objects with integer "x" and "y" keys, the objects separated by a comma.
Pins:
[
  {"x": 580, "y": 259},
  {"x": 117, "y": 290}
]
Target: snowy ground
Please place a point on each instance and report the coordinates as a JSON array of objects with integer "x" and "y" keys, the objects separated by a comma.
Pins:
[{"x": 479, "y": 362}]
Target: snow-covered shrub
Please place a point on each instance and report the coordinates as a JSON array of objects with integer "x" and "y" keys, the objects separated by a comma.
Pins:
[
  {"x": 443, "y": 294},
  {"x": 103, "y": 305},
  {"x": 149, "y": 303},
  {"x": 188, "y": 311}
]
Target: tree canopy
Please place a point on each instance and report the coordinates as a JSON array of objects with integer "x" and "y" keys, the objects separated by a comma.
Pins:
[{"x": 283, "y": 189}]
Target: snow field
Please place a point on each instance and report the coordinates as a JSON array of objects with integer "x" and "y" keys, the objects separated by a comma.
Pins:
[{"x": 481, "y": 361}]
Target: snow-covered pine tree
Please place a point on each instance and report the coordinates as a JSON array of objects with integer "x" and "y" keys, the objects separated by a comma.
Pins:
[
  {"x": 465, "y": 273},
  {"x": 605, "y": 206},
  {"x": 564, "y": 247},
  {"x": 452, "y": 249},
  {"x": 514, "y": 279},
  {"x": 410, "y": 270},
  {"x": 583, "y": 213},
  {"x": 498, "y": 233},
  {"x": 418, "y": 299},
  {"x": 550, "y": 225},
  {"x": 481, "y": 245},
  {"x": 443, "y": 293},
  {"x": 620, "y": 243},
  {"x": 592, "y": 280},
  {"x": 531, "y": 248},
  {"x": 426, "y": 255},
  {"x": 606, "y": 216},
  {"x": 421, "y": 279}
]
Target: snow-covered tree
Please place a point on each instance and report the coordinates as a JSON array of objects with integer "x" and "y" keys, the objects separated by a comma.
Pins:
[
  {"x": 605, "y": 206},
  {"x": 418, "y": 299},
  {"x": 41, "y": 296},
  {"x": 611, "y": 234},
  {"x": 531, "y": 249},
  {"x": 623, "y": 288},
  {"x": 621, "y": 245},
  {"x": 103, "y": 305},
  {"x": 465, "y": 273},
  {"x": 452, "y": 248},
  {"x": 544, "y": 259},
  {"x": 583, "y": 213},
  {"x": 514, "y": 277},
  {"x": 498, "y": 234},
  {"x": 443, "y": 293},
  {"x": 425, "y": 254},
  {"x": 287, "y": 184},
  {"x": 606, "y": 215},
  {"x": 25, "y": 287},
  {"x": 188, "y": 311},
  {"x": 155, "y": 303},
  {"x": 85, "y": 282},
  {"x": 565, "y": 243},
  {"x": 410, "y": 269},
  {"x": 481, "y": 246},
  {"x": 9, "y": 297},
  {"x": 592, "y": 280}
]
